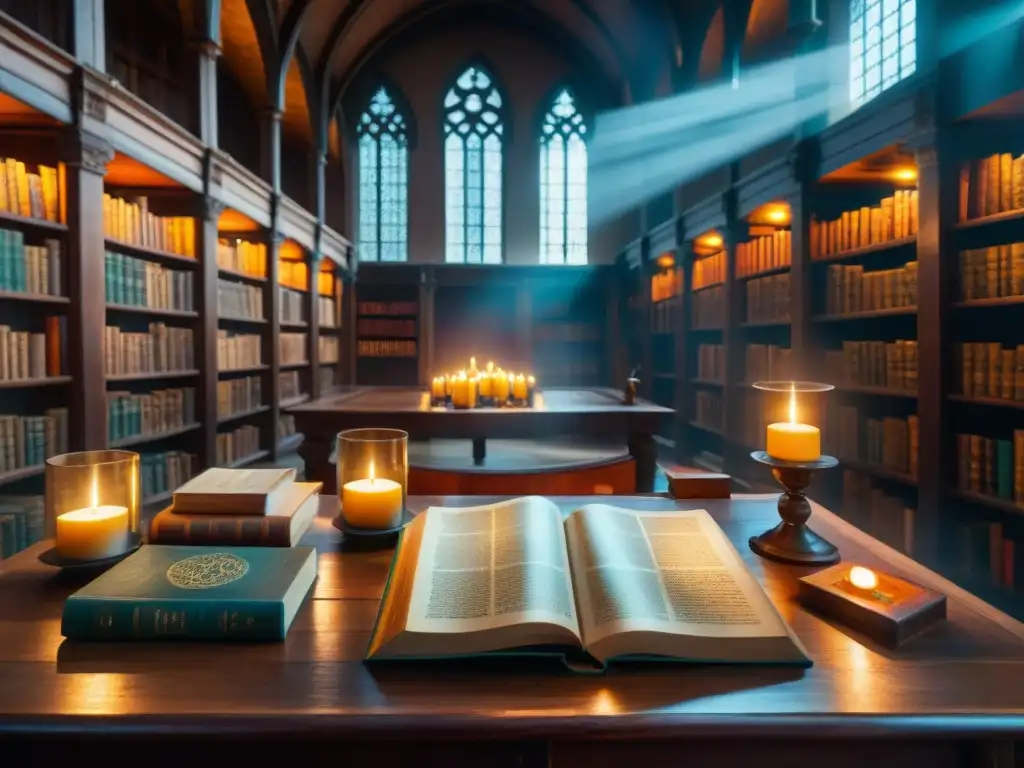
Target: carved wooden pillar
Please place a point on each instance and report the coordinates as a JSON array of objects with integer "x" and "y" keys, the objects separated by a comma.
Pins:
[
  {"x": 271, "y": 350},
  {"x": 270, "y": 148},
  {"x": 208, "y": 52},
  {"x": 206, "y": 330},
  {"x": 86, "y": 156},
  {"x": 313, "y": 319},
  {"x": 804, "y": 166},
  {"x": 937, "y": 210},
  {"x": 318, "y": 184},
  {"x": 90, "y": 34}
]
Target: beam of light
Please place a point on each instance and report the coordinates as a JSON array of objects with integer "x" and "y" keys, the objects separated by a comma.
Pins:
[
  {"x": 642, "y": 151},
  {"x": 969, "y": 30}
]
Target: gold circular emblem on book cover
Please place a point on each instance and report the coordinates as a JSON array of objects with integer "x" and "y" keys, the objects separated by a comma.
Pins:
[{"x": 207, "y": 571}]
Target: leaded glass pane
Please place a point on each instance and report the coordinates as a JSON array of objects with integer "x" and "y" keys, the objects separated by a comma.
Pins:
[
  {"x": 882, "y": 45},
  {"x": 473, "y": 169},
  {"x": 383, "y": 181},
  {"x": 563, "y": 181}
]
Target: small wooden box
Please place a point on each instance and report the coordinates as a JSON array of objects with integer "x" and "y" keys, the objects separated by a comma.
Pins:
[{"x": 898, "y": 611}]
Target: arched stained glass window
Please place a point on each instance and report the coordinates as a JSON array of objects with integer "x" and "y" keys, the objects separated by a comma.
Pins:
[
  {"x": 383, "y": 181},
  {"x": 563, "y": 183},
  {"x": 883, "y": 45},
  {"x": 473, "y": 128}
]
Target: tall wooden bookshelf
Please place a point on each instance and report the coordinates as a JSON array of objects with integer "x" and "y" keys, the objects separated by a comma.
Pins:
[
  {"x": 388, "y": 342},
  {"x": 331, "y": 357}
]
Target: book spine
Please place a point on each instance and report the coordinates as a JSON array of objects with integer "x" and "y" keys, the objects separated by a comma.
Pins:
[
  {"x": 93, "y": 619},
  {"x": 256, "y": 532}
]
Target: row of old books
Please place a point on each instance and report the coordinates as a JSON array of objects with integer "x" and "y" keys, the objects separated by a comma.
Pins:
[
  {"x": 327, "y": 312},
  {"x": 239, "y": 301},
  {"x": 293, "y": 274},
  {"x": 666, "y": 316},
  {"x": 238, "y": 350},
  {"x": 139, "y": 283},
  {"x": 768, "y": 299},
  {"x": 991, "y": 185},
  {"x": 30, "y": 268},
  {"x": 991, "y": 467},
  {"x": 241, "y": 395},
  {"x": 986, "y": 369},
  {"x": 27, "y": 441},
  {"x": 289, "y": 384},
  {"x": 290, "y": 306},
  {"x": 160, "y": 349},
  {"x": 242, "y": 256},
  {"x": 711, "y": 362},
  {"x": 27, "y": 355},
  {"x": 237, "y": 444},
  {"x": 388, "y": 308},
  {"x": 22, "y": 523},
  {"x": 130, "y": 222},
  {"x": 889, "y": 365},
  {"x": 992, "y": 273},
  {"x": 292, "y": 348},
  {"x": 764, "y": 253},
  {"x": 286, "y": 426},
  {"x": 708, "y": 309},
  {"x": 767, "y": 362},
  {"x": 330, "y": 349},
  {"x": 153, "y": 413},
  {"x": 986, "y": 555},
  {"x": 850, "y": 289},
  {"x": 886, "y": 517},
  {"x": 708, "y": 271},
  {"x": 890, "y": 442},
  {"x": 385, "y": 348},
  {"x": 666, "y": 285},
  {"x": 164, "y": 471},
  {"x": 893, "y": 219},
  {"x": 708, "y": 410},
  {"x": 401, "y": 329},
  {"x": 32, "y": 194}
]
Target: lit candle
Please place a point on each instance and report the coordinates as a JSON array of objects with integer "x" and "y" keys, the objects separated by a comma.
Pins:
[
  {"x": 792, "y": 441},
  {"x": 863, "y": 579},
  {"x": 447, "y": 385},
  {"x": 372, "y": 502},
  {"x": 472, "y": 368},
  {"x": 460, "y": 391},
  {"x": 485, "y": 384},
  {"x": 490, "y": 368},
  {"x": 500, "y": 386},
  {"x": 519, "y": 387},
  {"x": 437, "y": 388},
  {"x": 94, "y": 532}
]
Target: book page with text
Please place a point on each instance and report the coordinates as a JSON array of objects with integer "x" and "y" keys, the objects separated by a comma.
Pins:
[
  {"x": 662, "y": 572},
  {"x": 486, "y": 567}
]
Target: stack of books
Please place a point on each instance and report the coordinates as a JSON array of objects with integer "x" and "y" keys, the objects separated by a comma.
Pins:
[{"x": 238, "y": 507}]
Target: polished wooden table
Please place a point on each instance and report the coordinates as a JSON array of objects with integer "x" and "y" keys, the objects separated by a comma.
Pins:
[
  {"x": 953, "y": 697},
  {"x": 596, "y": 413}
]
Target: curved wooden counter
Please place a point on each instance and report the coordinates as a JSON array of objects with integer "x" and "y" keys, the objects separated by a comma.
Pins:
[{"x": 953, "y": 695}]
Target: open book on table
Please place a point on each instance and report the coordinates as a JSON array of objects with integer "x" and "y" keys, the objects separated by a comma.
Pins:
[{"x": 606, "y": 583}]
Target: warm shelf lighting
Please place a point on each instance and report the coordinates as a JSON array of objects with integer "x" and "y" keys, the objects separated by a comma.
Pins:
[
  {"x": 906, "y": 173},
  {"x": 778, "y": 214},
  {"x": 666, "y": 261},
  {"x": 710, "y": 240}
]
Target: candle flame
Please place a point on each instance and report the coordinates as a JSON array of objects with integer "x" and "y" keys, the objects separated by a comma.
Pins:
[
  {"x": 792, "y": 403},
  {"x": 371, "y": 472},
  {"x": 863, "y": 578},
  {"x": 95, "y": 493}
]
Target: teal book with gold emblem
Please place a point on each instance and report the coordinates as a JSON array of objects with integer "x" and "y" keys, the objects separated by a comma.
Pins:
[{"x": 194, "y": 593}]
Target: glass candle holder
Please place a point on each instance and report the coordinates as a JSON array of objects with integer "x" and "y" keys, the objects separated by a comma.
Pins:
[
  {"x": 373, "y": 474},
  {"x": 793, "y": 413},
  {"x": 92, "y": 504}
]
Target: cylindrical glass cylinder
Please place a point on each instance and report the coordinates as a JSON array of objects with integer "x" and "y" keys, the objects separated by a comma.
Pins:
[
  {"x": 794, "y": 416},
  {"x": 373, "y": 472},
  {"x": 93, "y": 500}
]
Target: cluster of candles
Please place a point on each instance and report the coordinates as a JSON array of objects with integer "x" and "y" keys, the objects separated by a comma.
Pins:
[{"x": 488, "y": 387}]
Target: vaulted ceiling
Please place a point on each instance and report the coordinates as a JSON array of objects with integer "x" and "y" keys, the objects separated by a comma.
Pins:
[{"x": 634, "y": 45}]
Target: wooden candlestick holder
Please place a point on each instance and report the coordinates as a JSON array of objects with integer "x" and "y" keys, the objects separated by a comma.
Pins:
[{"x": 791, "y": 541}]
